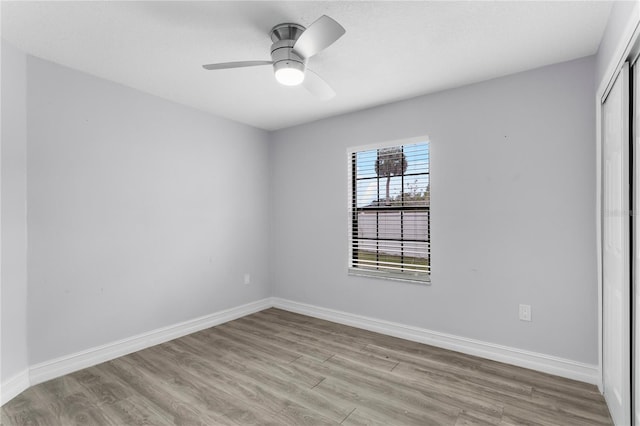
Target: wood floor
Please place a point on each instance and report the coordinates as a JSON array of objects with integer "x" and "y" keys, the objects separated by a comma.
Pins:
[{"x": 279, "y": 368}]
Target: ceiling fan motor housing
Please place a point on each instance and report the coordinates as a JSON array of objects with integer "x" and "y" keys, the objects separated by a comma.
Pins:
[{"x": 284, "y": 36}]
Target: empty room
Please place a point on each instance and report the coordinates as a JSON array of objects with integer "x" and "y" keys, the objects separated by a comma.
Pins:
[{"x": 320, "y": 213}]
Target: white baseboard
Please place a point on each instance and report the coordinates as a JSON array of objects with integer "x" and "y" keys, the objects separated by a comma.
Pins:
[
  {"x": 68, "y": 364},
  {"x": 14, "y": 386},
  {"x": 532, "y": 360}
]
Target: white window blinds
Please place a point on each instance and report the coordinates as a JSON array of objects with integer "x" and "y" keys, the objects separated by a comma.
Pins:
[{"x": 389, "y": 212}]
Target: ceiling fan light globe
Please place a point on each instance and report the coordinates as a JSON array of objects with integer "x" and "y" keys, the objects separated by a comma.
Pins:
[{"x": 289, "y": 76}]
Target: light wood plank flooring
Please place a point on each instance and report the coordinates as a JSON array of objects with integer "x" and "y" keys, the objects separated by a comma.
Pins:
[{"x": 279, "y": 368}]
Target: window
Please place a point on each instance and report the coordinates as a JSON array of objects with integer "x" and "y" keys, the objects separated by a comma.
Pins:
[{"x": 389, "y": 217}]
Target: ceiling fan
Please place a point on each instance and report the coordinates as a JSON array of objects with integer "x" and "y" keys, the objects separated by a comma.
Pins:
[{"x": 292, "y": 47}]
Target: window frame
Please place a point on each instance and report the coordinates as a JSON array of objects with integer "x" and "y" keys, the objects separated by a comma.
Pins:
[{"x": 403, "y": 276}]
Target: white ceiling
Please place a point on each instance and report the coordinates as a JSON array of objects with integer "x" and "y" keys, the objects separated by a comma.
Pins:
[{"x": 391, "y": 51}]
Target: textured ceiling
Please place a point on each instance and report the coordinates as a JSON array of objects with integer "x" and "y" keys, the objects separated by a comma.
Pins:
[{"x": 391, "y": 50}]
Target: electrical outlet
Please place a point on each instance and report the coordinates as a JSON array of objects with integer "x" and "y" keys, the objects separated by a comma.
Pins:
[
  {"x": 525, "y": 313},
  {"x": 247, "y": 278}
]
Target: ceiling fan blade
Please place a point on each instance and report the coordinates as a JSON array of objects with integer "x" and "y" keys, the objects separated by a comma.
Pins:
[
  {"x": 320, "y": 35},
  {"x": 317, "y": 86},
  {"x": 241, "y": 64}
]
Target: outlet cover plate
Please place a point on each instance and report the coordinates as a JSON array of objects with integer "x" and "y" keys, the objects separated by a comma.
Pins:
[{"x": 524, "y": 313}]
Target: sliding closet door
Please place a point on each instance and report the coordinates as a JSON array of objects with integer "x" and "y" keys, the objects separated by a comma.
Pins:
[{"x": 616, "y": 338}]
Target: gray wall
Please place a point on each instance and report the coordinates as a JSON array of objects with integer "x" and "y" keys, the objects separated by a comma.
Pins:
[
  {"x": 13, "y": 291},
  {"x": 142, "y": 213},
  {"x": 513, "y": 212}
]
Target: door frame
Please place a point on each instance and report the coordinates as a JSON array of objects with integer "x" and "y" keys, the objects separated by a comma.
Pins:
[{"x": 627, "y": 49}]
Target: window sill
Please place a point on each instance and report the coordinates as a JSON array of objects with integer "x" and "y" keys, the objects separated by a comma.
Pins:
[{"x": 393, "y": 276}]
